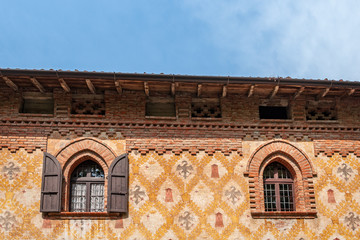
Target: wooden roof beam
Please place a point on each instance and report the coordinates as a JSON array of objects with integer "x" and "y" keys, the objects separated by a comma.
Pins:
[
  {"x": 274, "y": 92},
  {"x": 299, "y": 92},
  {"x": 118, "y": 87},
  {"x": 199, "y": 87},
  {"x": 324, "y": 93},
  {"x": 64, "y": 85},
  {"x": 90, "y": 86},
  {"x": 351, "y": 91},
  {"x": 36, "y": 83},
  {"x": 146, "y": 88},
  {"x": 10, "y": 84},
  {"x": 173, "y": 89},
  {"x": 224, "y": 91},
  {"x": 251, "y": 90}
]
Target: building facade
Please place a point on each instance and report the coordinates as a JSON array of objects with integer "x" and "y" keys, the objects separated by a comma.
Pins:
[{"x": 93, "y": 155}]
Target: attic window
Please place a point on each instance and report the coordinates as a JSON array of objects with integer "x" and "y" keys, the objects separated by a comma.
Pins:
[
  {"x": 205, "y": 108},
  {"x": 320, "y": 110},
  {"x": 273, "y": 112},
  {"x": 160, "y": 107},
  {"x": 84, "y": 104},
  {"x": 37, "y": 103}
]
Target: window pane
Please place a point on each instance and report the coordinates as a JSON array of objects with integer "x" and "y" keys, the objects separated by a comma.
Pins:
[
  {"x": 283, "y": 172},
  {"x": 88, "y": 169},
  {"x": 97, "y": 197},
  {"x": 276, "y": 170},
  {"x": 269, "y": 197},
  {"x": 269, "y": 171},
  {"x": 78, "y": 197},
  {"x": 286, "y": 198}
]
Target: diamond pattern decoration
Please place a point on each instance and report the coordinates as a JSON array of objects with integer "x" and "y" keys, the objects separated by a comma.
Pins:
[
  {"x": 170, "y": 235},
  {"x": 201, "y": 196},
  {"x": 169, "y": 194},
  {"x": 211, "y": 202},
  {"x": 153, "y": 220},
  {"x": 151, "y": 169}
]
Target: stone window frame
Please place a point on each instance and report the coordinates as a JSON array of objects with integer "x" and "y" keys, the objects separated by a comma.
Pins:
[
  {"x": 300, "y": 167},
  {"x": 70, "y": 157}
]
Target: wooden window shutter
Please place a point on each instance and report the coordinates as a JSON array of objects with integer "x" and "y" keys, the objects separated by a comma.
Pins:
[
  {"x": 118, "y": 189},
  {"x": 51, "y": 185}
]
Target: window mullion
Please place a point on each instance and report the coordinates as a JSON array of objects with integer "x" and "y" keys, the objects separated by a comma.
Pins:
[
  {"x": 277, "y": 196},
  {"x": 88, "y": 189}
]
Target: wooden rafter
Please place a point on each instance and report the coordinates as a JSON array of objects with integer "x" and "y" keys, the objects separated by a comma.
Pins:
[
  {"x": 90, "y": 86},
  {"x": 224, "y": 91},
  {"x": 299, "y": 92},
  {"x": 325, "y": 92},
  {"x": 36, "y": 83},
  {"x": 10, "y": 84},
  {"x": 199, "y": 86},
  {"x": 146, "y": 88},
  {"x": 64, "y": 85},
  {"x": 118, "y": 87},
  {"x": 173, "y": 89},
  {"x": 274, "y": 92},
  {"x": 351, "y": 91},
  {"x": 251, "y": 90}
]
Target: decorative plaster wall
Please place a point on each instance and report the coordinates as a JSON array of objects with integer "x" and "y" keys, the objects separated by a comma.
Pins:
[{"x": 184, "y": 196}]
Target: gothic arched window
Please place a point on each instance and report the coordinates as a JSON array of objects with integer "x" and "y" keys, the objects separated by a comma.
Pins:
[
  {"x": 87, "y": 188},
  {"x": 278, "y": 188}
]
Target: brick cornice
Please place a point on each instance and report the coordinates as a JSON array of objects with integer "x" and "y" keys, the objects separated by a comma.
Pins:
[
  {"x": 342, "y": 147},
  {"x": 144, "y": 124}
]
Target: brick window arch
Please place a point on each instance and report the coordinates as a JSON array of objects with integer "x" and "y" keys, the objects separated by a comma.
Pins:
[
  {"x": 77, "y": 152},
  {"x": 297, "y": 164}
]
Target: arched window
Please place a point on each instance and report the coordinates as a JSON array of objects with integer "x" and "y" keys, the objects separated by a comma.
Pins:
[
  {"x": 281, "y": 182},
  {"x": 278, "y": 188},
  {"x": 87, "y": 188}
]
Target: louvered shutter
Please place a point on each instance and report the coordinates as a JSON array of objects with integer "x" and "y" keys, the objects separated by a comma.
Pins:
[
  {"x": 51, "y": 185},
  {"x": 118, "y": 185}
]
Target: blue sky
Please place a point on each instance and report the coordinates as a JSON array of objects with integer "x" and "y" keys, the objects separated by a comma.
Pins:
[{"x": 302, "y": 39}]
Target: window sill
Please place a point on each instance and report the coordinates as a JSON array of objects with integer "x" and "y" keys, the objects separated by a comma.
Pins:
[
  {"x": 82, "y": 215},
  {"x": 277, "y": 215}
]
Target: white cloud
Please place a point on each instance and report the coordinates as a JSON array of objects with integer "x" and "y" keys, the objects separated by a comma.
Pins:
[{"x": 310, "y": 39}]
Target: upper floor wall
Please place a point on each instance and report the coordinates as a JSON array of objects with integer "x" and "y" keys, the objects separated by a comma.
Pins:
[{"x": 183, "y": 107}]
